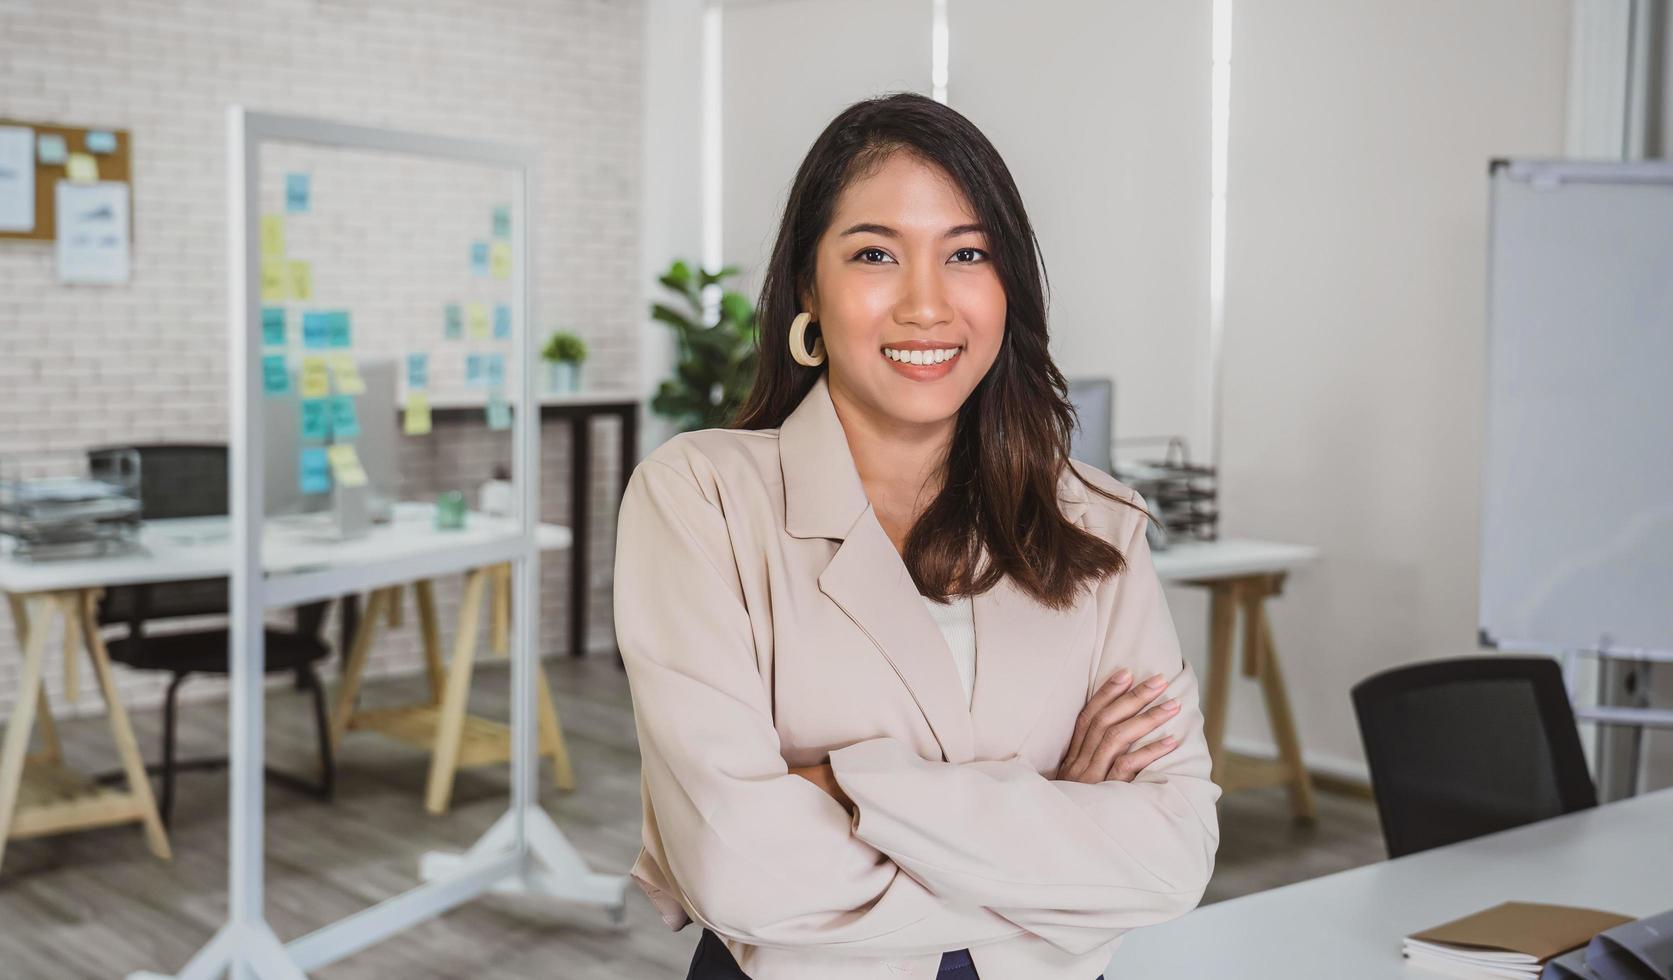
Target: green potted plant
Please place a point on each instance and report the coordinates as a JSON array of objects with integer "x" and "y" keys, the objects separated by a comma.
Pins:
[
  {"x": 716, "y": 361},
  {"x": 563, "y": 353}
]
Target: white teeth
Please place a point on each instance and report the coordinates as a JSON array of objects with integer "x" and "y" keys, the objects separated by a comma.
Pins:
[{"x": 922, "y": 356}]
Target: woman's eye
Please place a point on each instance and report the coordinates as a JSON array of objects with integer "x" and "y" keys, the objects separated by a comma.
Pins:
[
  {"x": 974, "y": 252},
  {"x": 873, "y": 250}
]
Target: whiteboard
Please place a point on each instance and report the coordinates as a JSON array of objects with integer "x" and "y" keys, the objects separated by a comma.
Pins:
[{"x": 1577, "y": 496}]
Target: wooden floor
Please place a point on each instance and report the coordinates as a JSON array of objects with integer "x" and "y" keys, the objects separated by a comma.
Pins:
[{"x": 97, "y": 905}]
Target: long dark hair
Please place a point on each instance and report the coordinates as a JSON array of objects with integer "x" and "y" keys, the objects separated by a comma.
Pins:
[{"x": 1011, "y": 439}]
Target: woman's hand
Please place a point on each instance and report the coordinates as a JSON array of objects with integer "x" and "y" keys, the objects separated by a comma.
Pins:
[
  {"x": 822, "y": 777},
  {"x": 1108, "y": 726}
]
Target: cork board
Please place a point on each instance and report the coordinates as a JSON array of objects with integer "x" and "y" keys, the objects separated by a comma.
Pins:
[{"x": 117, "y": 165}]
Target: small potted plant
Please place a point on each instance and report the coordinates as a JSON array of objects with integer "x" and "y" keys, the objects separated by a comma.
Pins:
[{"x": 563, "y": 353}]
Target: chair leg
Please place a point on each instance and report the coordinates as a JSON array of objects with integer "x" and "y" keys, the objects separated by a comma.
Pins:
[
  {"x": 167, "y": 803},
  {"x": 322, "y": 719}
]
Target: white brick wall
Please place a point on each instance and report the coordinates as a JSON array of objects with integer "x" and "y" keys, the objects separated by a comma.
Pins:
[{"x": 387, "y": 239}]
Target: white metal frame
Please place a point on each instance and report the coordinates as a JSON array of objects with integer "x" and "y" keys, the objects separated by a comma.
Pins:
[{"x": 524, "y": 851}]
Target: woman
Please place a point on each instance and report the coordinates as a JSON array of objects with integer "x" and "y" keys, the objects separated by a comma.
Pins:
[{"x": 834, "y": 788}]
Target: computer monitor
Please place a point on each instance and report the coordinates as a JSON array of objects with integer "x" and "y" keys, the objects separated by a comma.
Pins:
[
  {"x": 1094, "y": 402},
  {"x": 376, "y": 445}
]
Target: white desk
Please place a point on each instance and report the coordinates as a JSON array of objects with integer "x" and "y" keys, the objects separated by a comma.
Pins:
[
  {"x": 1242, "y": 574},
  {"x": 1617, "y": 857},
  {"x": 39, "y": 795}
]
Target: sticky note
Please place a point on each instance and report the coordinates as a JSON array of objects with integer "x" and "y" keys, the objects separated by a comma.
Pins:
[
  {"x": 275, "y": 377},
  {"x": 496, "y": 370},
  {"x": 275, "y": 277},
  {"x": 344, "y": 423},
  {"x": 348, "y": 375},
  {"x": 82, "y": 168},
  {"x": 417, "y": 419},
  {"x": 316, "y": 380},
  {"x": 502, "y": 221},
  {"x": 316, "y": 418},
  {"x": 499, "y": 259},
  {"x": 479, "y": 258},
  {"x": 345, "y": 465},
  {"x": 475, "y": 370},
  {"x": 273, "y": 326},
  {"x": 296, "y": 193},
  {"x": 301, "y": 281},
  {"x": 272, "y": 237},
  {"x": 50, "y": 148},
  {"x": 316, "y": 470},
  {"x": 418, "y": 370},
  {"x": 499, "y": 413},
  {"x": 476, "y": 320},
  {"x": 340, "y": 331},
  {"x": 316, "y": 330},
  {"x": 101, "y": 141},
  {"x": 502, "y": 321},
  {"x": 455, "y": 322}
]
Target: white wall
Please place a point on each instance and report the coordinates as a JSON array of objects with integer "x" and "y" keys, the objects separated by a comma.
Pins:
[{"x": 1354, "y": 343}]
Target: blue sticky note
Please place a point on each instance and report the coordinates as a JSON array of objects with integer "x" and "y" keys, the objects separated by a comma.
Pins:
[
  {"x": 316, "y": 330},
  {"x": 502, "y": 321},
  {"x": 296, "y": 193},
  {"x": 499, "y": 413},
  {"x": 474, "y": 370},
  {"x": 496, "y": 370},
  {"x": 502, "y": 221},
  {"x": 50, "y": 148},
  {"x": 273, "y": 326},
  {"x": 316, "y": 470},
  {"x": 100, "y": 141},
  {"x": 338, "y": 331},
  {"x": 316, "y": 418},
  {"x": 455, "y": 321},
  {"x": 418, "y": 370},
  {"x": 479, "y": 258},
  {"x": 275, "y": 376},
  {"x": 344, "y": 424}
]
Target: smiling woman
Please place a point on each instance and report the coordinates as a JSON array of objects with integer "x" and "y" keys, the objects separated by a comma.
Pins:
[{"x": 908, "y": 695}]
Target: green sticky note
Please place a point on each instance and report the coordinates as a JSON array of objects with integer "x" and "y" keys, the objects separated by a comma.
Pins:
[
  {"x": 296, "y": 193},
  {"x": 455, "y": 321},
  {"x": 344, "y": 424},
  {"x": 273, "y": 326},
  {"x": 316, "y": 418},
  {"x": 316, "y": 330},
  {"x": 499, "y": 413},
  {"x": 275, "y": 377},
  {"x": 316, "y": 470},
  {"x": 337, "y": 327},
  {"x": 502, "y": 221}
]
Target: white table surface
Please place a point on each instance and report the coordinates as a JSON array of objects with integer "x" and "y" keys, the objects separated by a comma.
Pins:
[
  {"x": 1617, "y": 857},
  {"x": 1229, "y": 558},
  {"x": 201, "y": 547}
]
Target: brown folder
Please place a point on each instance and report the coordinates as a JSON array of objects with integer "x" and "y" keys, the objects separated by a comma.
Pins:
[{"x": 1540, "y": 931}]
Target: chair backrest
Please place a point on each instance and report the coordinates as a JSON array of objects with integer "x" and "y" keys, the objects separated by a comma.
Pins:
[{"x": 1469, "y": 746}]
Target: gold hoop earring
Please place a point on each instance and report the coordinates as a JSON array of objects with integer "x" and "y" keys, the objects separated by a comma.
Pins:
[{"x": 798, "y": 342}]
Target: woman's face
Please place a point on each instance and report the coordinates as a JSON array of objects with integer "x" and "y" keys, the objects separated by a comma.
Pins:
[{"x": 906, "y": 296}]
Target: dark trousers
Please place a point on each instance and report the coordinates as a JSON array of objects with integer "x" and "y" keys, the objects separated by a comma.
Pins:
[{"x": 713, "y": 961}]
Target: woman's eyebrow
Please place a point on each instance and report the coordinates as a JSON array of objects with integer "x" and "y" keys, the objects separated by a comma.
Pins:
[{"x": 887, "y": 232}]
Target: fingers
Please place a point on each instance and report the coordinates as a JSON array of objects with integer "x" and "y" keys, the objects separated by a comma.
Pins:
[
  {"x": 1131, "y": 764},
  {"x": 1106, "y": 693},
  {"x": 1118, "y": 738}
]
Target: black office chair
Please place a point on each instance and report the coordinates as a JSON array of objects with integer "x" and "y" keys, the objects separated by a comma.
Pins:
[
  {"x": 191, "y": 481},
  {"x": 1466, "y": 747}
]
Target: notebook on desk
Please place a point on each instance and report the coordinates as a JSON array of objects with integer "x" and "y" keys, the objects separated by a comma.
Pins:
[{"x": 1512, "y": 940}]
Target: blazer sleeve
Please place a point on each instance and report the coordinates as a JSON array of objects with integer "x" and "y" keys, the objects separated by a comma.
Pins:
[
  {"x": 753, "y": 852},
  {"x": 1077, "y": 864}
]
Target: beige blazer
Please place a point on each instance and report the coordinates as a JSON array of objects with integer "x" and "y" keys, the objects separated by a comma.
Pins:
[{"x": 767, "y": 621}]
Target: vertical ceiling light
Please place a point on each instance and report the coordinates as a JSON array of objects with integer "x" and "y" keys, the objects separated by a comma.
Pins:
[
  {"x": 712, "y": 161},
  {"x": 938, "y": 51},
  {"x": 1220, "y": 132}
]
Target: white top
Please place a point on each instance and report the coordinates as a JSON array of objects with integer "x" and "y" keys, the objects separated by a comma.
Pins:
[
  {"x": 1614, "y": 857},
  {"x": 958, "y": 627}
]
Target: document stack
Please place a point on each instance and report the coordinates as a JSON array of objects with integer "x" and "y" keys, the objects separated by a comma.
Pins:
[{"x": 58, "y": 517}]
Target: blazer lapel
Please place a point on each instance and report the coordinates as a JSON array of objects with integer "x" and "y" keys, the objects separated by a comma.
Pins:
[{"x": 1020, "y": 644}]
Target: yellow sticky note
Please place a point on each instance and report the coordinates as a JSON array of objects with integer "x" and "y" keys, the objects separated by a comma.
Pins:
[
  {"x": 476, "y": 320},
  {"x": 316, "y": 380},
  {"x": 272, "y": 237},
  {"x": 301, "y": 281},
  {"x": 82, "y": 168},
  {"x": 499, "y": 260},
  {"x": 418, "y": 414},
  {"x": 275, "y": 280},
  {"x": 348, "y": 375},
  {"x": 345, "y": 465}
]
